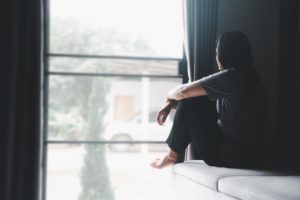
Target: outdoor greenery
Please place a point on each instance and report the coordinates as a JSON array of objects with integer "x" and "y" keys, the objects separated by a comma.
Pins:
[
  {"x": 68, "y": 110},
  {"x": 77, "y": 104},
  {"x": 94, "y": 174}
]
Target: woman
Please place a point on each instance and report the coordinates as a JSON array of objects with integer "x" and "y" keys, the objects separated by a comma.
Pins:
[{"x": 221, "y": 115}]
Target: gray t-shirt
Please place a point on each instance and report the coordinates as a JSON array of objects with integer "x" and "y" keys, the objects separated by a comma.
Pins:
[{"x": 241, "y": 103}]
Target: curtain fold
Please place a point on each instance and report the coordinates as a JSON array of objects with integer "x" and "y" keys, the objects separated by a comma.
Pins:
[
  {"x": 200, "y": 29},
  {"x": 20, "y": 107}
]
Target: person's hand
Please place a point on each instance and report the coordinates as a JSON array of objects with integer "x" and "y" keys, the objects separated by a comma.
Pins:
[{"x": 164, "y": 112}]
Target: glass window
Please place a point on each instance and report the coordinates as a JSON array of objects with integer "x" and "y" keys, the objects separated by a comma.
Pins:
[
  {"x": 109, "y": 66},
  {"x": 117, "y": 27},
  {"x": 116, "y": 104},
  {"x": 113, "y": 174},
  {"x": 114, "y": 66}
]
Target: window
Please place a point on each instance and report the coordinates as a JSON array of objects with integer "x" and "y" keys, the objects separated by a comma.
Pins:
[{"x": 109, "y": 64}]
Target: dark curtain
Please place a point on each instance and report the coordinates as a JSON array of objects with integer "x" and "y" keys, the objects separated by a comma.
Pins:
[
  {"x": 20, "y": 107},
  {"x": 200, "y": 27},
  {"x": 289, "y": 85}
]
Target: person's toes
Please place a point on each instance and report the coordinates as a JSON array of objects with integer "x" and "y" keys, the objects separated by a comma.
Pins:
[
  {"x": 162, "y": 163},
  {"x": 154, "y": 163}
]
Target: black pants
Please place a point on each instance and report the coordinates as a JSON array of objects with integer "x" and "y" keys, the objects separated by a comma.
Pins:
[{"x": 195, "y": 122}]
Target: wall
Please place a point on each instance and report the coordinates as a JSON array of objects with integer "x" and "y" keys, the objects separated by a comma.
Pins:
[
  {"x": 289, "y": 84},
  {"x": 258, "y": 19}
]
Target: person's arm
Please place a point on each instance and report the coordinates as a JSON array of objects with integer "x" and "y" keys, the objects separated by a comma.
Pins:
[
  {"x": 188, "y": 90},
  {"x": 180, "y": 92}
]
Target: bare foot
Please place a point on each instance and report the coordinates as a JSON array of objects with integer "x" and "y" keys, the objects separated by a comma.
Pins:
[{"x": 168, "y": 160}]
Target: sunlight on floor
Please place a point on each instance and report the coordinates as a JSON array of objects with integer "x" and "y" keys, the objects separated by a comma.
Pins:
[{"x": 130, "y": 174}]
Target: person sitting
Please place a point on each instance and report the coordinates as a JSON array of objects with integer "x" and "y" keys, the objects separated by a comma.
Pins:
[{"x": 222, "y": 115}]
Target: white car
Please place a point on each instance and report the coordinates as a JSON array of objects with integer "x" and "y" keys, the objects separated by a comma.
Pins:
[{"x": 135, "y": 130}]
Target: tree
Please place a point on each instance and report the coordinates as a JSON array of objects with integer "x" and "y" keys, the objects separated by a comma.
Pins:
[
  {"x": 80, "y": 39},
  {"x": 82, "y": 99},
  {"x": 94, "y": 174}
]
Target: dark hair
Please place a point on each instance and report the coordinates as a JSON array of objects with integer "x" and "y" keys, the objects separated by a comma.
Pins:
[{"x": 234, "y": 50}]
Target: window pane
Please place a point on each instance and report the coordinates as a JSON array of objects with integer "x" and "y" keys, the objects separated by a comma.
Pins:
[
  {"x": 91, "y": 171},
  {"x": 117, "y": 27},
  {"x": 105, "y": 108},
  {"x": 118, "y": 66}
]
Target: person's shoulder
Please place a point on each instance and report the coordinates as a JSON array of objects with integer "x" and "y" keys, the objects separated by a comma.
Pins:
[
  {"x": 225, "y": 73},
  {"x": 232, "y": 70}
]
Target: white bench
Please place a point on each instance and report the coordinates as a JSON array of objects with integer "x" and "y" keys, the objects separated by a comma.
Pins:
[{"x": 194, "y": 180}]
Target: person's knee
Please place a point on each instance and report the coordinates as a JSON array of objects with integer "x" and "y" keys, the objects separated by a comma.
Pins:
[
  {"x": 196, "y": 100},
  {"x": 197, "y": 103}
]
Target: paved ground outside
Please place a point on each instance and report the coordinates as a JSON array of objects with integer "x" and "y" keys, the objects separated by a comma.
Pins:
[{"x": 131, "y": 176}]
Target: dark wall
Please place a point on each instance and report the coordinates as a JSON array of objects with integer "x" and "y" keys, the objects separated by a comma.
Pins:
[
  {"x": 259, "y": 20},
  {"x": 289, "y": 84}
]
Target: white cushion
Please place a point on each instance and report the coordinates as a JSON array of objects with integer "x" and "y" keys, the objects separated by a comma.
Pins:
[
  {"x": 261, "y": 187},
  {"x": 184, "y": 189},
  {"x": 209, "y": 176}
]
